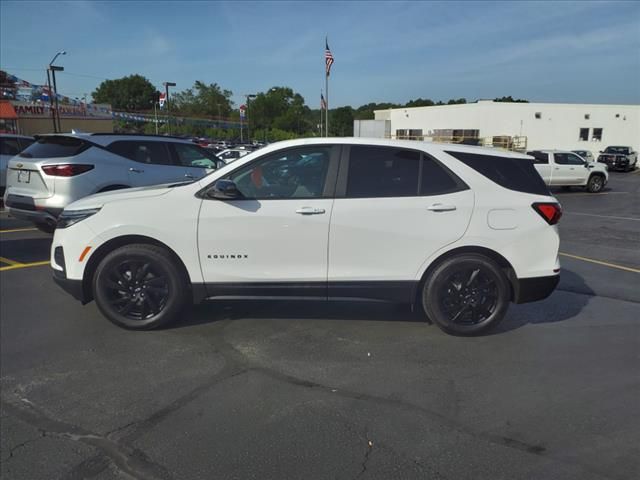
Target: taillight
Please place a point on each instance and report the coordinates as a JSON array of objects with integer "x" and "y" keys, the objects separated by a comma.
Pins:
[
  {"x": 551, "y": 212},
  {"x": 66, "y": 170}
]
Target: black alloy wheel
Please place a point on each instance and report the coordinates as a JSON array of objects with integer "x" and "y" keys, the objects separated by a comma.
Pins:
[
  {"x": 466, "y": 294},
  {"x": 139, "y": 287}
]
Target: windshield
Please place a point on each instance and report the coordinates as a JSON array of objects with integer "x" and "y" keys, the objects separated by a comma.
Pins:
[{"x": 617, "y": 150}]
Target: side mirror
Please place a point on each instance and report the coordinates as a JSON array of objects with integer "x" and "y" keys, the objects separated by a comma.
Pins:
[{"x": 224, "y": 190}]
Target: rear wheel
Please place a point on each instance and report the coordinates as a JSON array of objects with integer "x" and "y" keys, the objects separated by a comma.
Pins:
[
  {"x": 139, "y": 287},
  {"x": 595, "y": 183},
  {"x": 466, "y": 294}
]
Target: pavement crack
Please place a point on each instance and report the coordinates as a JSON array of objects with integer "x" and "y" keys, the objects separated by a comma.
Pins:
[
  {"x": 128, "y": 460},
  {"x": 366, "y": 459}
]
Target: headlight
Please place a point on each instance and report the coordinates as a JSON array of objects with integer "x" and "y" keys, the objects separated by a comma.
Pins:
[{"x": 69, "y": 217}]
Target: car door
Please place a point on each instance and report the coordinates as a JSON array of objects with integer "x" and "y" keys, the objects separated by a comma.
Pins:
[
  {"x": 577, "y": 173},
  {"x": 197, "y": 162},
  {"x": 272, "y": 241},
  {"x": 394, "y": 208},
  {"x": 151, "y": 162},
  {"x": 561, "y": 174}
]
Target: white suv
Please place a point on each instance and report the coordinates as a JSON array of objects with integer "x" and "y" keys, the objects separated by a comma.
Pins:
[
  {"x": 59, "y": 169},
  {"x": 459, "y": 231}
]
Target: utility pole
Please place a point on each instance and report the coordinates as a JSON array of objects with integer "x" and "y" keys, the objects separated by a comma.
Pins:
[
  {"x": 52, "y": 69},
  {"x": 51, "y": 109},
  {"x": 55, "y": 69},
  {"x": 166, "y": 99},
  {"x": 249, "y": 96}
]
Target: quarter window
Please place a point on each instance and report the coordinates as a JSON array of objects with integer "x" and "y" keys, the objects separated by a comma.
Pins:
[
  {"x": 9, "y": 146},
  {"x": 382, "y": 172},
  {"x": 436, "y": 180},
  {"x": 295, "y": 173}
]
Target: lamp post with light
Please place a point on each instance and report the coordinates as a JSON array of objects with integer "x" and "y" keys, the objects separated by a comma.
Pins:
[{"x": 54, "y": 112}]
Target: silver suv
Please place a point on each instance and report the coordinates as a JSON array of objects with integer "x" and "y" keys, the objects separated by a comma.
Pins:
[
  {"x": 10, "y": 146},
  {"x": 59, "y": 169}
]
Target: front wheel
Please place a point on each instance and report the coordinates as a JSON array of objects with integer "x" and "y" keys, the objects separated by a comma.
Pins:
[
  {"x": 595, "y": 184},
  {"x": 466, "y": 295},
  {"x": 139, "y": 287}
]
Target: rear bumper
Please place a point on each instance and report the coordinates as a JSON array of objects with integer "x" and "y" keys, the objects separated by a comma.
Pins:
[
  {"x": 24, "y": 208},
  {"x": 527, "y": 290}
]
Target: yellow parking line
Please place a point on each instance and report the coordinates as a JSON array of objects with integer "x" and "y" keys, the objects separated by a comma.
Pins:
[
  {"x": 9, "y": 262},
  {"x": 24, "y": 265},
  {"x": 19, "y": 230},
  {"x": 599, "y": 262}
]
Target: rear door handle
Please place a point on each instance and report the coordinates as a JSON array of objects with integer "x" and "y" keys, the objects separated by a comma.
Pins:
[
  {"x": 440, "y": 207},
  {"x": 136, "y": 170},
  {"x": 310, "y": 211}
]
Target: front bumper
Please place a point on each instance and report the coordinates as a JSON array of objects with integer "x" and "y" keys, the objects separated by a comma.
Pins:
[{"x": 527, "y": 290}]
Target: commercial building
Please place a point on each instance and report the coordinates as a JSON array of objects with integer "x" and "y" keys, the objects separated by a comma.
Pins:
[
  {"x": 515, "y": 126},
  {"x": 30, "y": 118}
]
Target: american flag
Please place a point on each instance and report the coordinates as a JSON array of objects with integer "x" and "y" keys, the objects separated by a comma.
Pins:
[
  {"x": 323, "y": 103},
  {"x": 328, "y": 58}
]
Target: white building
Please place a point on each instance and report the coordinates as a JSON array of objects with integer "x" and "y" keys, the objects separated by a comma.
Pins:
[{"x": 512, "y": 125}]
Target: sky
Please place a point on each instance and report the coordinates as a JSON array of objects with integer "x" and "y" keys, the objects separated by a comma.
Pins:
[{"x": 573, "y": 52}]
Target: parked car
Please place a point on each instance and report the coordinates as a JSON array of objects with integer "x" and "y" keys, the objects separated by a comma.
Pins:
[
  {"x": 10, "y": 146},
  {"x": 619, "y": 158},
  {"x": 586, "y": 154},
  {"x": 59, "y": 169},
  {"x": 232, "y": 154},
  {"x": 566, "y": 169},
  {"x": 455, "y": 230}
]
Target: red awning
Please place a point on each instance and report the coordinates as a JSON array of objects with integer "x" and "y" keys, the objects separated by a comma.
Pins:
[{"x": 6, "y": 111}]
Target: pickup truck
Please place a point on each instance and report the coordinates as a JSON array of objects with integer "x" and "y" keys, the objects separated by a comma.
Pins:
[
  {"x": 619, "y": 158},
  {"x": 566, "y": 169}
]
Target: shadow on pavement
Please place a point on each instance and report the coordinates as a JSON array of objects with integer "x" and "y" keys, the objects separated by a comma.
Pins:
[
  {"x": 25, "y": 250},
  {"x": 556, "y": 308}
]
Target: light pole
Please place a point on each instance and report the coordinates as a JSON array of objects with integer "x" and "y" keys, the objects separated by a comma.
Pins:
[
  {"x": 51, "y": 68},
  {"x": 249, "y": 96},
  {"x": 166, "y": 99}
]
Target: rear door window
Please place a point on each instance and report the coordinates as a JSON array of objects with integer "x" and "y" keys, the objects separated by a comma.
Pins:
[
  {"x": 55, "y": 147},
  {"x": 517, "y": 174},
  {"x": 436, "y": 179},
  {"x": 155, "y": 153},
  {"x": 193, "y": 156},
  {"x": 539, "y": 157},
  {"x": 382, "y": 172}
]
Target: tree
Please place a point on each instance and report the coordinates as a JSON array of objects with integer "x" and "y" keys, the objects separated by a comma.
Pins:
[
  {"x": 280, "y": 108},
  {"x": 341, "y": 122},
  {"x": 130, "y": 93},
  {"x": 510, "y": 99},
  {"x": 203, "y": 100}
]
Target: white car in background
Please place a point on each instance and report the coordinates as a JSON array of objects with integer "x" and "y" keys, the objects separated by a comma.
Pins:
[
  {"x": 10, "y": 146},
  {"x": 61, "y": 168},
  {"x": 586, "y": 154},
  {"x": 457, "y": 231},
  {"x": 559, "y": 168},
  {"x": 232, "y": 154}
]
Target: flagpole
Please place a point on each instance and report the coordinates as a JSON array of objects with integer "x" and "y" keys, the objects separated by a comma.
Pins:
[
  {"x": 321, "y": 112},
  {"x": 326, "y": 89}
]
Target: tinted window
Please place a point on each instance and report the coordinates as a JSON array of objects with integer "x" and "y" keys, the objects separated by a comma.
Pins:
[
  {"x": 55, "y": 147},
  {"x": 382, "y": 172},
  {"x": 435, "y": 180},
  {"x": 297, "y": 173},
  {"x": 567, "y": 159},
  {"x": 539, "y": 157},
  {"x": 9, "y": 146},
  {"x": 617, "y": 150},
  {"x": 517, "y": 174},
  {"x": 25, "y": 142},
  {"x": 142, "y": 152},
  {"x": 192, "y": 156}
]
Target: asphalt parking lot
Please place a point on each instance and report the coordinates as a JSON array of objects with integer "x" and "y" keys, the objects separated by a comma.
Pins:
[{"x": 292, "y": 390}]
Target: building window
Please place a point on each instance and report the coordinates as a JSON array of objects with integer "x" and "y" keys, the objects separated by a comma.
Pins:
[
  {"x": 538, "y": 115},
  {"x": 584, "y": 135},
  {"x": 597, "y": 135},
  {"x": 617, "y": 115},
  {"x": 587, "y": 116}
]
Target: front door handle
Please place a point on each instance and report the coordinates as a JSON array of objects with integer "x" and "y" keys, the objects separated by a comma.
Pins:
[
  {"x": 310, "y": 211},
  {"x": 136, "y": 170},
  {"x": 440, "y": 207}
]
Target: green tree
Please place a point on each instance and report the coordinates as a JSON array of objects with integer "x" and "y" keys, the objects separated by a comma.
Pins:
[
  {"x": 130, "y": 93},
  {"x": 341, "y": 122},
  {"x": 203, "y": 100},
  {"x": 510, "y": 99},
  {"x": 280, "y": 108}
]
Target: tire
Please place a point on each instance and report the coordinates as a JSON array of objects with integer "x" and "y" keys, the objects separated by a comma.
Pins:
[
  {"x": 153, "y": 299},
  {"x": 595, "y": 183},
  {"x": 466, "y": 295}
]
